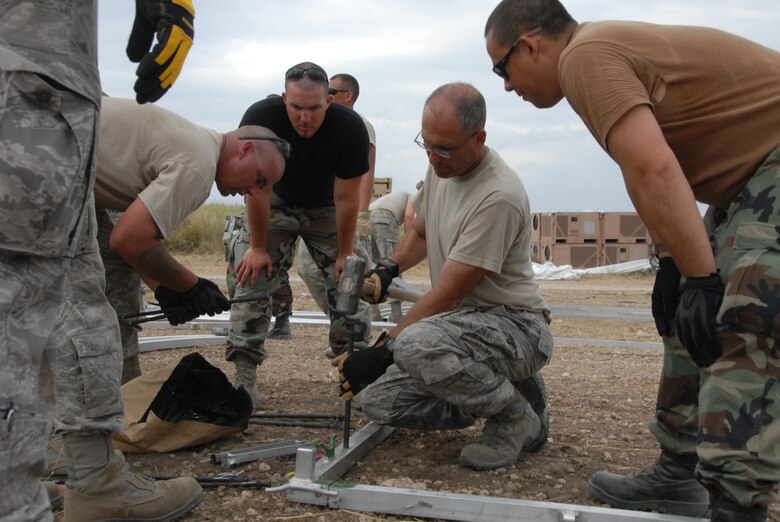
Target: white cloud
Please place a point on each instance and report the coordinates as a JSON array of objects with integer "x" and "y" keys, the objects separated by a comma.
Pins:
[{"x": 400, "y": 50}]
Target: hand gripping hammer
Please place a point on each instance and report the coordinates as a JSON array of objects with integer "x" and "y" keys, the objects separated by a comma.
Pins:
[{"x": 350, "y": 288}]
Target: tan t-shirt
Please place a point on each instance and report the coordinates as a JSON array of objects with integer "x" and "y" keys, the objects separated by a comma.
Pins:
[
  {"x": 716, "y": 96},
  {"x": 147, "y": 152},
  {"x": 483, "y": 220}
]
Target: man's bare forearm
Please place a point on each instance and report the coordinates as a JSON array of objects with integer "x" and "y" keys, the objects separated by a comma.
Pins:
[{"x": 157, "y": 263}]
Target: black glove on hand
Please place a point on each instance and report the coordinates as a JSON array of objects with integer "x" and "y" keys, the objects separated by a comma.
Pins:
[
  {"x": 173, "y": 21},
  {"x": 171, "y": 301},
  {"x": 700, "y": 299},
  {"x": 381, "y": 276},
  {"x": 666, "y": 294},
  {"x": 361, "y": 367},
  {"x": 205, "y": 298}
]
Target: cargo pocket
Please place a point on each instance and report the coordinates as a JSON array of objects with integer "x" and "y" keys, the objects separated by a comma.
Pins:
[
  {"x": 752, "y": 298},
  {"x": 100, "y": 364},
  {"x": 44, "y": 179},
  {"x": 442, "y": 368}
]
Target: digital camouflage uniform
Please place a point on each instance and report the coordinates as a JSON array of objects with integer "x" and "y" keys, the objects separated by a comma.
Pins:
[
  {"x": 454, "y": 367},
  {"x": 50, "y": 95},
  {"x": 249, "y": 321},
  {"x": 123, "y": 290},
  {"x": 729, "y": 413}
]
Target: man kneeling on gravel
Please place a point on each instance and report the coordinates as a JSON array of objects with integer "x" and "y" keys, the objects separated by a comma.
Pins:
[{"x": 473, "y": 345}]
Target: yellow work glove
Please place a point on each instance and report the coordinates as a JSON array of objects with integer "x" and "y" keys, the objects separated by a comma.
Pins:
[
  {"x": 173, "y": 22},
  {"x": 364, "y": 224}
]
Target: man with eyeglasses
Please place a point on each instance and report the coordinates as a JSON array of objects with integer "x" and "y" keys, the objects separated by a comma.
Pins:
[
  {"x": 317, "y": 200},
  {"x": 473, "y": 345},
  {"x": 156, "y": 168},
  {"x": 689, "y": 114}
]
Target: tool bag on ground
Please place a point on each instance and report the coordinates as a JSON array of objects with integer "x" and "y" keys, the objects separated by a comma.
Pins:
[{"x": 186, "y": 404}]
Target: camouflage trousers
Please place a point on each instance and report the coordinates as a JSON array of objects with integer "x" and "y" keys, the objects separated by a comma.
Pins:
[
  {"x": 282, "y": 297},
  {"x": 47, "y": 218},
  {"x": 249, "y": 321},
  {"x": 123, "y": 284},
  {"x": 384, "y": 235},
  {"x": 729, "y": 413},
  {"x": 312, "y": 277},
  {"x": 454, "y": 367}
]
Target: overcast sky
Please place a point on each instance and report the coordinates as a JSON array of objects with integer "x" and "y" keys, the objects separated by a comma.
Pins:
[{"x": 400, "y": 50}]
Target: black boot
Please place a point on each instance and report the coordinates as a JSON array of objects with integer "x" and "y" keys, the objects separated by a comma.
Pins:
[
  {"x": 281, "y": 329},
  {"x": 668, "y": 486},
  {"x": 726, "y": 510}
]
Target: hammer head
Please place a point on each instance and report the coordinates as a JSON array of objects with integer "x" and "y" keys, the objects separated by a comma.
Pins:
[{"x": 350, "y": 285}]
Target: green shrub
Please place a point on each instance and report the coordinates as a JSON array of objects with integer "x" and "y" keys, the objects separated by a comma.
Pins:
[{"x": 201, "y": 232}]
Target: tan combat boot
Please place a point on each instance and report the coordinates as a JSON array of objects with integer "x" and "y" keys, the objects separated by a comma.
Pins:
[
  {"x": 116, "y": 493},
  {"x": 504, "y": 437},
  {"x": 246, "y": 377}
]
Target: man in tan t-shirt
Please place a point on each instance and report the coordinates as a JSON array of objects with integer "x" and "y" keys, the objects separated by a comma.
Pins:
[
  {"x": 689, "y": 114},
  {"x": 156, "y": 168},
  {"x": 473, "y": 345}
]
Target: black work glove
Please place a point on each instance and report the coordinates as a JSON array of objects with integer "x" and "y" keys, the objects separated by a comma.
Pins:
[
  {"x": 700, "y": 299},
  {"x": 173, "y": 21},
  {"x": 361, "y": 367},
  {"x": 171, "y": 303},
  {"x": 380, "y": 276},
  {"x": 205, "y": 298},
  {"x": 666, "y": 294}
]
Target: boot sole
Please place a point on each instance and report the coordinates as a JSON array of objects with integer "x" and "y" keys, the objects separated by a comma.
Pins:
[
  {"x": 170, "y": 517},
  {"x": 534, "y": 390},
  {"x": 669, "y": 507}
]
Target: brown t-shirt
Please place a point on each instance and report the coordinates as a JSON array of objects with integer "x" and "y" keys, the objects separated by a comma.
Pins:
[{"x": 716, "y": 96}]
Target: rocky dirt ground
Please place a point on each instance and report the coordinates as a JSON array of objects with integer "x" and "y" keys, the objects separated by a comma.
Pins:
[{"x": 601, "y": 400}]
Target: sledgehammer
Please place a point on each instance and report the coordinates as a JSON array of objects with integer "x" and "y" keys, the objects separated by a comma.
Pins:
[
  {"x": 350, "y": 287},
  {"x": 398, "y": 289}
]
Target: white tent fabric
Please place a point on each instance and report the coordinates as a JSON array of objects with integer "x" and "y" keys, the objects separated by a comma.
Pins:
[{"x": 551, "y": 272}]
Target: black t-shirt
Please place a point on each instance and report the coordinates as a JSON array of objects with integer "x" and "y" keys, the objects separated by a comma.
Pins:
[{"x": 339, "y": 148}]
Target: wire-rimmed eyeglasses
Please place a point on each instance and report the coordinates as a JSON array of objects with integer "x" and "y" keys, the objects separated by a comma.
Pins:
[
  {"x": 444, "y": 152},
  {"x": 284, "y": 146}
]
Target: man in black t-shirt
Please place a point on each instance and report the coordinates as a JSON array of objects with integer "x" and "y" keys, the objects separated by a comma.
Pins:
[{"x": 316, "y": 199}]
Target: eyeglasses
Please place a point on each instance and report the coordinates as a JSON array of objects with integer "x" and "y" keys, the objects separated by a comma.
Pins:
[
  {"x": 284, "y": 146},
  {"x": 444, "y": 152},
  {"x": 316, "y": 74},
  {"x": 333, "y": 91},
  {"x": 500, "y": 67}
]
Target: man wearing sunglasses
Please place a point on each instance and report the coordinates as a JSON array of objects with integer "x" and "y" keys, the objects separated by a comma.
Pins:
[
  {"x": 689, "y": 114},
  {"x": 156, "y": 168},
  {"x": 317, "y": 200},
  {"x": 473, "y": 345}
]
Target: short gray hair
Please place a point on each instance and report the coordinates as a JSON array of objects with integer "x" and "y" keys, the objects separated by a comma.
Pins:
[{"x": 468, "y": 102}]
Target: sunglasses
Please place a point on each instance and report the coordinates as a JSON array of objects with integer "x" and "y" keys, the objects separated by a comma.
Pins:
[
  {"x": 316, "y": 74},
  {"x": 333, "y": 91},
  {"x": 284, "y": 146},
  {"x": 500, "y": 67}
]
